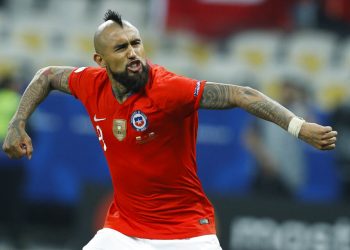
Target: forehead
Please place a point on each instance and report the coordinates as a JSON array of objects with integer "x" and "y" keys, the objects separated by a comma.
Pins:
[{"x": 115, "y": 34}]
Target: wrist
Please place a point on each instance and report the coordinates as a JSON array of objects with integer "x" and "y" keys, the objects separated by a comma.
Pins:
[
  {"x": 295, "y": 125},
  {"x": 17, "y": 123}
]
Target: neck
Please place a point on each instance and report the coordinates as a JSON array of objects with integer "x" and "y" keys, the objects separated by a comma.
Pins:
[{"x": 120, "y": 92}]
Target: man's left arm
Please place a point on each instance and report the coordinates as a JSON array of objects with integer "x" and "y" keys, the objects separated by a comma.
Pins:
[{"x": 225, "y": 96}]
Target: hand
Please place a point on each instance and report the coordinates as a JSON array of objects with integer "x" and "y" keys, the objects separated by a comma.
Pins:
[
  {"x": 320, "y": 137},
  {"x": 17, "y": 143}
]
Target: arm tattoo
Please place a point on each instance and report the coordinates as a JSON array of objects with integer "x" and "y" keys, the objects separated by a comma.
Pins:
[
  {"x": 264, "y": 107},
  {"x": 59, "y": 78},
  {"x": 270, "y": 111},
  {"x": 43, "y": 82},
  {"x": 216, "y": 96},
  {"x": 223, "y": 96}
]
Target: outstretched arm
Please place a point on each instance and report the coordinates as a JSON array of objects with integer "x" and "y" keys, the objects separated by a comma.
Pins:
[
  {"x": 17, "y": 142},
  {"x": 225, "y": 96}
]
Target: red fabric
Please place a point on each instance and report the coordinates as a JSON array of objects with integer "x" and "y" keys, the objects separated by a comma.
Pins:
[
  {"x": 157, "y": 193},
  {"x": 338, "y": 9},
  {"x": 222, "y": 19}
]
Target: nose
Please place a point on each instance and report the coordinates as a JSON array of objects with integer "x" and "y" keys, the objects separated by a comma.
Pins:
[{"x": 131, "y": 53}]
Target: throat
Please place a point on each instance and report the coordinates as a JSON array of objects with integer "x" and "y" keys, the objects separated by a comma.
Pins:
[{"x": 120, "y": 95}]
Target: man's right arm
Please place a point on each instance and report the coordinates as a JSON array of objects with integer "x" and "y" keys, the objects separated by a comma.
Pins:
[
  {"x": 44, "y": 81},
  {"x": 17, "y": 143}
]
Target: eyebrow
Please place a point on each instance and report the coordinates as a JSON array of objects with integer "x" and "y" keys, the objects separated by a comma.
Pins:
[
  {"x": 123, "y": 45},
  {"x": 135, "y": 40}
]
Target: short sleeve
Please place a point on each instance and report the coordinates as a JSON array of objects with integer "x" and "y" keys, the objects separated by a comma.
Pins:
[
  {"x": 82, "y": 81},
  {"x": 75, "y": 82},
  {"x": 177, "y": 94}
]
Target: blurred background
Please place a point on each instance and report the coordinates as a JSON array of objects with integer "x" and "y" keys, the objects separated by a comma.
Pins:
[{"x": 270, "y": 191}]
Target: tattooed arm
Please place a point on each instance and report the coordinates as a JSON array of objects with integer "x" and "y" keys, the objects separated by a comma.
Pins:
[
  {"x": 225, "y": 96},
  {"x": 17, "y": 142}
]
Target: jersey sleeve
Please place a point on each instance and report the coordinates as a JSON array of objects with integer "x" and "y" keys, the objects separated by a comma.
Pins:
[
  {"x": 178, "y": 94},
  {"x": 81, "y": 81}
]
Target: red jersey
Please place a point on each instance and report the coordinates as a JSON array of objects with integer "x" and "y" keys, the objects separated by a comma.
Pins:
[{"x": 149, "y": 142}]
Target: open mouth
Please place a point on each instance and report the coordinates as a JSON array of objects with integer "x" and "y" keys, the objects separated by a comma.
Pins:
[{"x": 134, "y": 66}]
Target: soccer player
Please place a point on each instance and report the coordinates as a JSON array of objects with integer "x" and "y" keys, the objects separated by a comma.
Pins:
[{"x": 146, "y": 121}]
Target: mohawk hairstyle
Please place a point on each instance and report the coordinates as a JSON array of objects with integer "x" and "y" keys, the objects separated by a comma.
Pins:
[{"x": 113, "y": 16}]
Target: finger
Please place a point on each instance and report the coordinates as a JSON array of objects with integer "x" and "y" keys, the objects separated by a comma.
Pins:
[
  {"x": 23, "y": 151},
  {"x": 329, "y": 141},
  {"x": 327, "y": 129},
  {"x": 25, "y": 148},
  {"x": 17, "y": 151},
  {"x": 329, "y": 147},
  {"x": 330, "y": 135},
  {"x": 14, "y": 154},
  {"x": 29, "y": 150}
]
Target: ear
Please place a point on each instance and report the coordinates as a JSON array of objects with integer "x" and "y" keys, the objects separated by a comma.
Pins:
[{"x": 99, "y": 60}]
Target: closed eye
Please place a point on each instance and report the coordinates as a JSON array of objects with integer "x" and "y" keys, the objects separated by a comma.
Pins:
[{"x": 121, "y": 47}]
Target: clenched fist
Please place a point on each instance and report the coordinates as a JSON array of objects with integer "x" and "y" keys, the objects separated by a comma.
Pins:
[
  {"x": 320, "y": 137},
  {"x": 17, "y": 142}
]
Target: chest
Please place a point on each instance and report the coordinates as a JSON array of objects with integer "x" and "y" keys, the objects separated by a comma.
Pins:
[{"x": 138, "y": 121}]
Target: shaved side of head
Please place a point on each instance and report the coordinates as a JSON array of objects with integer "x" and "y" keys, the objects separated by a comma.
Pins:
[
  {"x": 110, "y": 17},
  {"x": 98, "y": 40}
]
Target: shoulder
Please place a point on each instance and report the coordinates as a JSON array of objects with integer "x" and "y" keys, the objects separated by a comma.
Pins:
[
  {"x": 172, "y": 91},
  {"x": 158, "y": 72},
  {"x": 84, "y": 81},
  {"x": 162, "y": 77},
  {"x": 88, "y": 76},
  {"x": 90, "y": 71}
]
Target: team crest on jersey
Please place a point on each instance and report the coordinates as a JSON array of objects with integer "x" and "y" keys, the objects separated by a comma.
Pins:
[
  {"x": 139, "y": 121},
  {"x": 119, "y": 129}
]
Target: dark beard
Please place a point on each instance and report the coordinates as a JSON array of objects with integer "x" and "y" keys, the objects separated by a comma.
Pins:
[{"x": 133, "y": 83}]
